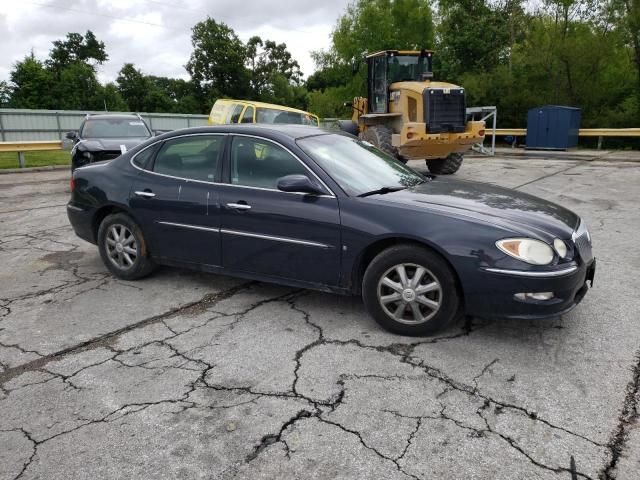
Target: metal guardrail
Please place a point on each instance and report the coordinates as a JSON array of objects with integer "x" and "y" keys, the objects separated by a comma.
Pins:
[
  {"x": 32, "y": 146},
  {"x": 583, "y": 132},
  {"x": 600, "y": 133}
]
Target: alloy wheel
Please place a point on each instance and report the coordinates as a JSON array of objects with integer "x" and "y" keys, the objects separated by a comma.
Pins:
[
  {"x": 121, "y": 246},
  {"x": 409, "y": 293}
]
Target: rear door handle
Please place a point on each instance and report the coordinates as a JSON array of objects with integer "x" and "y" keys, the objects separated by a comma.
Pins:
[
  {"x": 239, "y": 206},
  {"x": 145, "y": 194}
]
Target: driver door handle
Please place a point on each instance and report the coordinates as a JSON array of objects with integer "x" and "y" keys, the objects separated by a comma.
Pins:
[
  {"x": 145, "y": 194},
  {"x": 239, "y": 206}
]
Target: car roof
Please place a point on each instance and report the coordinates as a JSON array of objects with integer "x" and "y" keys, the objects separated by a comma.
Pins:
[
  {"x": 292, "y": 132},
  {"x": 102, "y": 116},
  {"x": 265, "y": 105}
]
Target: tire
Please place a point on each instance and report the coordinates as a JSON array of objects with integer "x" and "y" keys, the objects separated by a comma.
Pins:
[
  {"x": 380, "y": 136},
  {"x": 123, "y": 248},
  {"x": 445, "y": 166},
  {"x": 440, "y": 303}
]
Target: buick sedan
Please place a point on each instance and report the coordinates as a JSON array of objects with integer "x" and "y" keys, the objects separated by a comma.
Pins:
[{"x": 305, "y": 207}]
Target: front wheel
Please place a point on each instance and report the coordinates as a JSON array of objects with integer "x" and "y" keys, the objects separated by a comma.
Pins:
[
  {"x": 122, "y": 247},
  {"x": 445, "y": 166},
  {"x": 410, "y": 290}
]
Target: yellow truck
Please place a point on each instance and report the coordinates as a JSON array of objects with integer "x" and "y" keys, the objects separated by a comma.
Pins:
[{"x": 227, "y": 111}]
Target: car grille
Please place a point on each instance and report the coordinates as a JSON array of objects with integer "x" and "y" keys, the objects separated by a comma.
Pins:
[
  {"x": 582, "y": 241},
  {"x": 445, "y": 112}
]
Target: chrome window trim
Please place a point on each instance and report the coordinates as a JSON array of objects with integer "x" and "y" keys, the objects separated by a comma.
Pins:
[
  {"x": 191, "y": 227},
  {"x": 332, "y": 195},
  {"x": 172, "y": 176},
  {"x": 521, "y": 273},
  {"x": 277, "y": 239}
]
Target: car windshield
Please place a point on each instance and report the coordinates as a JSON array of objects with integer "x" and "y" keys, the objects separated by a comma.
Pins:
[
  {"x": 272, "y": 115},
  {"x": 114, "y": 128},
  {"x": 357, "y": 166},
  {"x": 404, "y": 68}
]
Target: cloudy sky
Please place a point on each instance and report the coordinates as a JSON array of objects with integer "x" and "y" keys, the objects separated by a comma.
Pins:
[{"x": 155, "y": 35}]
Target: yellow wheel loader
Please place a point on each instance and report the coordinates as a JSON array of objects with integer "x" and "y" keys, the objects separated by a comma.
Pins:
[{"x": 411, "y": 117}]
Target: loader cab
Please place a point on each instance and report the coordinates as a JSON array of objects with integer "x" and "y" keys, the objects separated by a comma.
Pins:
[{"x": 391, "y": 66}]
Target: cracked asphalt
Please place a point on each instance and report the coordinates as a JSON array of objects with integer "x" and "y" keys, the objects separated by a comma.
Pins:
[{"x": 189, "y": 375}]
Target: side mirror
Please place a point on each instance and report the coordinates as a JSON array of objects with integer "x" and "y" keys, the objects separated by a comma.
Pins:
[
  {"x": 298, "y": 184},
  {"x": 71, "y": 135}
]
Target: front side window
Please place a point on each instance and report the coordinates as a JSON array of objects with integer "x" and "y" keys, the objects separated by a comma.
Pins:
[
  {"x": 115, "y": 128},
  {"x": 357, "y": 166},
  {"x": 194, "y": 157},
  {"x": 258, "y": 163}
]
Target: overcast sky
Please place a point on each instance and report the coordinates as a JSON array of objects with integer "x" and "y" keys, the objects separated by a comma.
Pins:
[{"x": 155, "y": 35}]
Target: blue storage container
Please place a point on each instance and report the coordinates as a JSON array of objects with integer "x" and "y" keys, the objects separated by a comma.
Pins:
[{"x": 553, "y": 127}]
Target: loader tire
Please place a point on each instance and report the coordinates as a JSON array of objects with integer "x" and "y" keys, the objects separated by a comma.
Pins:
[
  {"x": 445, "y": 166},
  {"x": 380, "y": 136}
]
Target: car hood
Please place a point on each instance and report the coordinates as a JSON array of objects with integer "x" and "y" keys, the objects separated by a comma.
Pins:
[
  {"x": 109, "y": 144},
  {"x": 508, "y": 208}
]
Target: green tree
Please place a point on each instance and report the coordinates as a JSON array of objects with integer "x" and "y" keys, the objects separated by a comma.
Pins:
[
  {"x": 133, "y": 87},
  {"x": 217, "y": 63},
  {"x": 31, "y": 85},
  {"x": 77, "y": 48},
  {"x": 372, "y": 25}
]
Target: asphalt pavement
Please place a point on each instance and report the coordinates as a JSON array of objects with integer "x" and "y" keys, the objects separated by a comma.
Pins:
[{"x": 191, "y": 375}]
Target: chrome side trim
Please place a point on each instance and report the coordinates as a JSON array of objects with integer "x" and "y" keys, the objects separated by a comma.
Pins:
[
  {"x": 191, "y": 227},
  {"x": 274, "y": 238},
  {"x": 73, "y": 207},
  {"x": 332, "y": 195},
  {"x": 521, "y": 273}
]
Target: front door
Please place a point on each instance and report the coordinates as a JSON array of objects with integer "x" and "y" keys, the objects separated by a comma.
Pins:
[
  {"x": 274, "y": 233},
  {"x": 175, "y": 199}
]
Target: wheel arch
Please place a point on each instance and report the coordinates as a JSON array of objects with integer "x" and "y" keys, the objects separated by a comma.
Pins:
[
  {"x": 102, "y": 213},
  {"x": 370, "y": 252}
]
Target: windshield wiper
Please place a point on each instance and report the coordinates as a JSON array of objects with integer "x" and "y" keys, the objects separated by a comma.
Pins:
[{"x": 381, "y": 191}]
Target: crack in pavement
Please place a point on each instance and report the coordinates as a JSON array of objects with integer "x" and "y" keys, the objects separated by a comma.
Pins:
[
  {"x": 543, "y": 177},
  {"x": 107, "y": 338},
  {"x": 628, "y": 418}
]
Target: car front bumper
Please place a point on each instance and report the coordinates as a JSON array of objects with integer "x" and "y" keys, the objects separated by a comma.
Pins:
[{"x": 496, "y": 295}]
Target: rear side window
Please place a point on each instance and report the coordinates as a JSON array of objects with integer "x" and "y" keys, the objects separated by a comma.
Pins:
[
  {"x": 194, "y": 157},
  {"x": 247, "y": 117}
]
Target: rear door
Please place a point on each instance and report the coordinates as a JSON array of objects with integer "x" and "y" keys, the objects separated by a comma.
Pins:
[
  {"x": 176, "y": 199},
  {"x": 273, "y": 233}
]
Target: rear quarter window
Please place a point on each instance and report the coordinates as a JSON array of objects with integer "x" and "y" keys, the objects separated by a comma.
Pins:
[{"x": 143, "y": 158}]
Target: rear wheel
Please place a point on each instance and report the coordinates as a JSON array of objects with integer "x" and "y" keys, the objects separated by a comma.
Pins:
[
  {"x": 445, "y": 166},
  {"x": 123, "y": 248},
  {"x": 380, "y": 136},
  {"x": 410, "y": 290}
]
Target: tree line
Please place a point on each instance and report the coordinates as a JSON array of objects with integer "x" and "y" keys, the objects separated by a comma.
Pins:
[{"x": 513, "y": 54}]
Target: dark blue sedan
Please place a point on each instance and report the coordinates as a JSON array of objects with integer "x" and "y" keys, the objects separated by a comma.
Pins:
[{"x": 304, "y": 207}]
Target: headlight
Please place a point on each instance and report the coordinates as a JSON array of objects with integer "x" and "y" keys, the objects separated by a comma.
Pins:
[
  {"x": 528, "y": 250},
  {"x": 560, "y": 247}
]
